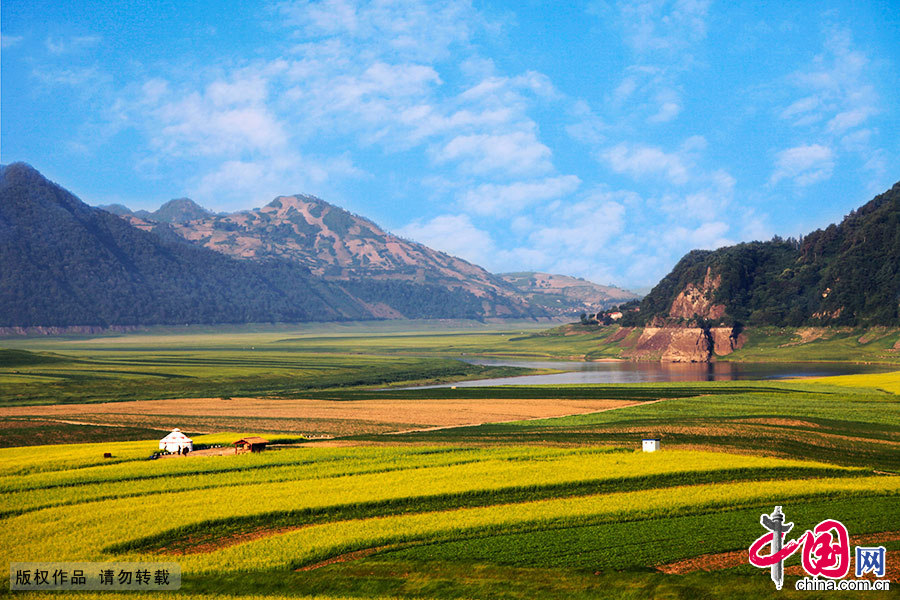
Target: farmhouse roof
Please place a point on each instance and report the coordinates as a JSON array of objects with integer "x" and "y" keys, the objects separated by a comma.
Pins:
[
  {"x": 253, "y": 439},
  {"x": 176, "y": 436}
]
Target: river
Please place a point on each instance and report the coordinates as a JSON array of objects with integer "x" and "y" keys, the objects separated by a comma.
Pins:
[{"x": 641, "y": 372}]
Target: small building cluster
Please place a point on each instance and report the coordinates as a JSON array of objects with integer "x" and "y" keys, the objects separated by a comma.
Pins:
[{"x": 178, "y": 443}]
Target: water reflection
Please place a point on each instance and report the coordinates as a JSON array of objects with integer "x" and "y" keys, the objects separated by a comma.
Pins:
[{"x": 634, "y": 372}]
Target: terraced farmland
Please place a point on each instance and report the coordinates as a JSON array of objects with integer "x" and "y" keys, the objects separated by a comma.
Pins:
[
  {"x": 322, "y": 510},
  {"x": 547, "y": 498}
]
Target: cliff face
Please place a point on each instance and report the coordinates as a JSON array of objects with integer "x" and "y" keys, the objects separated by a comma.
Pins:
[
  {"x": 685, "y": 344},
  {"x": 667, "y": 340},
  {"x": 697, "y": 300},
  {"x": 725, "y": 340}
]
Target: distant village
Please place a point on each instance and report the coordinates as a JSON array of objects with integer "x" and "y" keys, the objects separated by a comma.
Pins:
[
  {"x": 177, "y": 443},
  {"x": 610, "y": 316}
]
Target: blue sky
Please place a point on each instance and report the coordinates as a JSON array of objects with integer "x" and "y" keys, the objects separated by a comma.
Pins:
[{"x": 596, "y": 139}]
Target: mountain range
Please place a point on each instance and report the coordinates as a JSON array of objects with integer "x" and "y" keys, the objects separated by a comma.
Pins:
[
  {"x": 331, "y": 242},
  {"x": 561, "y": 292},
  {"x": 299, "y": 258},
  {"x": 64, "y": 263}
]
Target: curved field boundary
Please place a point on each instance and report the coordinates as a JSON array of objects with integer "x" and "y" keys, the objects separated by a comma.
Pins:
[
  {"x": 315, "y": 543},
  {"x": 210, "y": 535}
]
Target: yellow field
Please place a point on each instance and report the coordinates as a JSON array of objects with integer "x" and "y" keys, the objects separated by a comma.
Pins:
[
  {"x": 888, "y": 382},
  {"x": 86, "y": 525}
]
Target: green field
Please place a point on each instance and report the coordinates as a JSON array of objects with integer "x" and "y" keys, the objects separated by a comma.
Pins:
[
  {"x": 104, "y": 374},
  {"x": 286, "y": 361},
  {"x": 873, "y": 345},
  {"x": 562, "y": 507},
  {"x": 844, "y": 425},
  {"x": 425, "y": 509}
]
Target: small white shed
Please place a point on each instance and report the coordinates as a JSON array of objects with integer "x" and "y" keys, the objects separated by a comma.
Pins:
[
  {"x": 650, "y": 444},
  {"x": 176, "y": 442}
]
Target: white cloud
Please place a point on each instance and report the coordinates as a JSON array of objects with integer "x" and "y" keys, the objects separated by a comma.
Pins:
[
  {"x": 667, "y": 112},
  {"x": 849, "y": 119},
  {"x": 507, "y": 90},
  {"x": 880, "y": 177},
  {"x": 588, "y": 126},
  {"x": 835, "y": 86},
  {"x": 229, "y": 117},
  {"x": 801, "y": 107},
  {"x": 517, "y": 153},
  {"x": 625, "y": 89},
  {"x": 358, "y": 88},
  {"x": 838, "y": 101},
  {"x": 153, "y": 90},
  {"x": 366, "y": 74},
  {"x": 424, "y": 121},
  {"x": 507, "y": 200},
  {"x": 640, "y": 161},
  {"x": 8, "y": 41},
  {"x": 662, "y": 37},
  {"x": 86, "y": 79},
  {"x": 233, "y": 184},
  {"x": 585, "y": 227},
  {"x": 655, "y": 26},
  {"x": 859, "y": 140},
  {"x": 707, "y": 236},
  {"x": 230, "y": 175},
  {"x": 711, "y": 195},
  {"x": 417, "y": 29},
  {"x": 381, "y": 81},
  {"x": 72, "y": 44},
  {"x": 804, "y": 164},
  {"x": 244, "y": 90},
  {"x": 755, "y": 227},
  {"x": 194, "y": 125},
  {"x": 453, "y": 234}
]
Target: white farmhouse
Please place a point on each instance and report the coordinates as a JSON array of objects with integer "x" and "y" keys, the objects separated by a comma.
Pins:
[
  {"x": 176, "y": 442},
  {"x": 651, "y": 444}
]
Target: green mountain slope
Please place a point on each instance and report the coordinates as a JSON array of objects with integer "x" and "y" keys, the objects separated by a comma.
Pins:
[{"x": 846, "y": 274}]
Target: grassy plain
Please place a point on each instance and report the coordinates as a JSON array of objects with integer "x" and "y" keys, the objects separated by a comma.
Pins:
[
  {"x": 852, "y": 426},
  {"x": 561, "y": 507},
  {"x": 196, "y": 362},
  {"x": 807, "y": 344}
]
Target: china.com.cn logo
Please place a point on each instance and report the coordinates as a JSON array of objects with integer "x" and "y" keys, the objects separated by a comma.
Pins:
[{"x": 825, "y": 552}]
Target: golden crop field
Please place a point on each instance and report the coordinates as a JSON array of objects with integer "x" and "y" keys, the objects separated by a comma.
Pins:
[
  {"x": 506, "y": 492},
  {"x": 310, "y": 506}
]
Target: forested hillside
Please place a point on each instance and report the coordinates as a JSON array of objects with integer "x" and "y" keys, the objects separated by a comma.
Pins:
[{"x": 846, "y": 274}]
